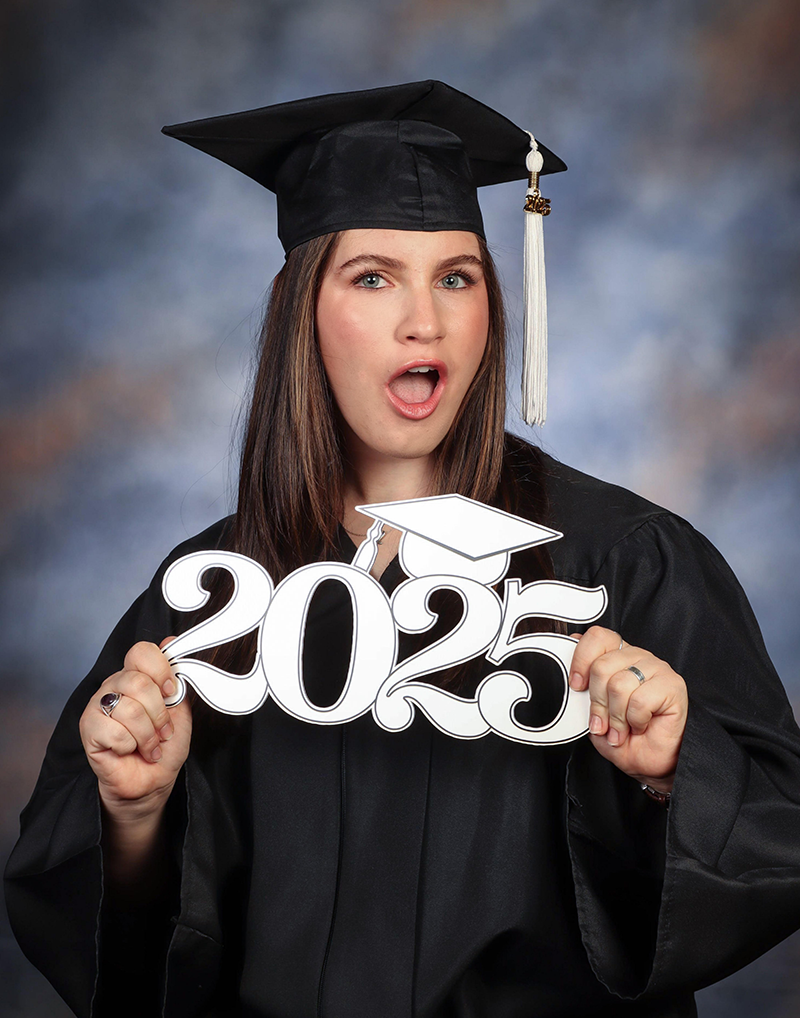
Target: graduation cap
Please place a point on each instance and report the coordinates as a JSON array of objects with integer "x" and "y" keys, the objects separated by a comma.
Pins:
[
  {"x": 406, "y": 157},
  {"x": 453, "y": 534}
]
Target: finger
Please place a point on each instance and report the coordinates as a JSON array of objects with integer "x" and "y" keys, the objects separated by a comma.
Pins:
[
  {"x": 642, "y": 705},
  {"x": 601, "y": 671},
  {"x": 595, "y": 642},
  {"x": 148, "y": 658},
  {"x": 170, "y": 686},
  {"x": 101, "y": 733},
  {"x": 144, "y": 689},
  {"x": 619, "y": 689},
  {"x": 662, "y": 695},
  {"x": 131, "y": 715}
]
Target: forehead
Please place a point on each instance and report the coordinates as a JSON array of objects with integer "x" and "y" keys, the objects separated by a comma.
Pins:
[{"x": 408, "y": 246}]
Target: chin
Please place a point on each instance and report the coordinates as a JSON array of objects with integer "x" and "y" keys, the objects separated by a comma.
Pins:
[{"x": 414, "y": 442}]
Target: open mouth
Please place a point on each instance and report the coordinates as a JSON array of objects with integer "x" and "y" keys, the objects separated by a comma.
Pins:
[
  {"x": 416, "y": 390},
  {"x": 416, "y": 385}
]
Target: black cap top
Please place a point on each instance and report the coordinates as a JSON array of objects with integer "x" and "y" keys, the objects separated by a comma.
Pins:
[{"x": 405, "y": 157}]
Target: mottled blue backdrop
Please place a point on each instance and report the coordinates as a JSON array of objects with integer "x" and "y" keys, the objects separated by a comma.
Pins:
[{"x": 135, "y": 270}]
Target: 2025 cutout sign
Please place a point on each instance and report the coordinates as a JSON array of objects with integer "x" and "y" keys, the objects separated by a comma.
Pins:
[{"x": 448, "y": 542}]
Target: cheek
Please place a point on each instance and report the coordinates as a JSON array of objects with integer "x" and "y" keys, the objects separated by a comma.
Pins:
[
  {"x": 475, "y": 333},
  {"x": 343, "y": 331},
  {"x": 344, "y": 336}
]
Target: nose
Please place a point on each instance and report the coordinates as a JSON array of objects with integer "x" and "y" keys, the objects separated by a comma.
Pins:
[{"x": 423, "y": 319}]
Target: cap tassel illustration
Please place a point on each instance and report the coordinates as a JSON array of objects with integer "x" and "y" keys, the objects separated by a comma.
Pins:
[{"x": 455, "y": 535}]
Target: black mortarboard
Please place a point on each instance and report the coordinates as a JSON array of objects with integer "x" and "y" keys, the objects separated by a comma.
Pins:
[{"x": 404, "y": 157}]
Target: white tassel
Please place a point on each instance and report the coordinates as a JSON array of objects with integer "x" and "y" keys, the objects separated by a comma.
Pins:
[{"x": 534, "y": 292}]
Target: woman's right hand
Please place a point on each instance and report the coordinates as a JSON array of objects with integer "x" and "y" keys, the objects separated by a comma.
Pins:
[{"x": 138, "y": 752}]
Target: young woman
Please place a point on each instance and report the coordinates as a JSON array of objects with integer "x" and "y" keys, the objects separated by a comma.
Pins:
[{"x": 176, "y": 860}]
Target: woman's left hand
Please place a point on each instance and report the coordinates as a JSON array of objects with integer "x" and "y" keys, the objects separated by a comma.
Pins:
[{"x": 636, "y": 725}]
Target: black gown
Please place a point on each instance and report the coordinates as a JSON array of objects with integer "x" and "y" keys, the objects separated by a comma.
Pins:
[{"x": 348, "y": 872}]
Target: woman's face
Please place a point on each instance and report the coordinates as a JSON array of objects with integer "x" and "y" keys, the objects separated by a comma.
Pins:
[{"x": 402, "y": 323}]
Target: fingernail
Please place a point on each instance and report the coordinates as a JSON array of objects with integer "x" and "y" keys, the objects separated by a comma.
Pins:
[
  {"x": 595, "y": 724},
  {"x": 156, "y": 754},
  {"x": 575, "y": 680},
  {"x": 165, "y": 733},
  {"x": 169, "y": 687},
  {"x": 613, "y": 736}
]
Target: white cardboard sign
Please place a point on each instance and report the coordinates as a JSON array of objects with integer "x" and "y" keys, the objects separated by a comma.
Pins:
[{"x": 448, "y": 542}]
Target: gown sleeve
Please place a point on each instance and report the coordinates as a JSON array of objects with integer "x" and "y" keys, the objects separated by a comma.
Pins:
[
  {"x": 704, "y": 888},
  {"x": 54, "y": 880},
  {"x": 54, "y": 876}
]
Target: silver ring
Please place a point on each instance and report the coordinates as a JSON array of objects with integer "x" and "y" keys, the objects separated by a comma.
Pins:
[
  {"x": 637, "y": 673},
  {"x": 621, "y": 643},
  {"x": 108, "y": 701}
]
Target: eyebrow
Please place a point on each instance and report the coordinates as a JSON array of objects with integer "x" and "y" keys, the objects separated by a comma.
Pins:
[{"x": 384, "y": 262}]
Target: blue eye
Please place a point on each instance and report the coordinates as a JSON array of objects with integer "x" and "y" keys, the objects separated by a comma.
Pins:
[{"x": 454, "y": 281}]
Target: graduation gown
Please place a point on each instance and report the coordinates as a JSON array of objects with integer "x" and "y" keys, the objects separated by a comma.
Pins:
[{"x": 349, "y": 872}]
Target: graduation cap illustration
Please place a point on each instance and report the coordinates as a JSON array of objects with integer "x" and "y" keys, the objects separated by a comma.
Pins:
[
  {"x": 406, "y": 157},
  {"x": 454, "y": 535}
]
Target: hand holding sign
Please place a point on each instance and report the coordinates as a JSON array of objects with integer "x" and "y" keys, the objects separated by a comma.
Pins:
[
  {"x": 136, "y": 748},
  {"x": 637, "y": 716}
]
